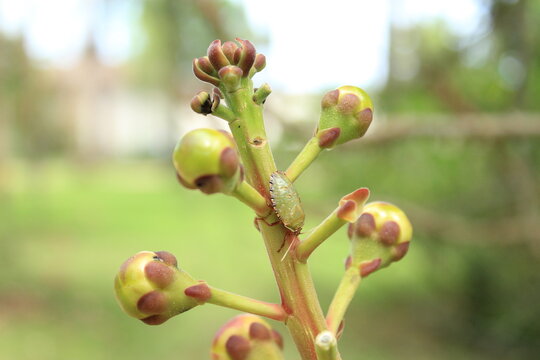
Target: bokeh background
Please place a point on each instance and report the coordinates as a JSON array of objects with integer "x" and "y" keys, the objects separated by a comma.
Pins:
[{"x": 94, "y": 95}]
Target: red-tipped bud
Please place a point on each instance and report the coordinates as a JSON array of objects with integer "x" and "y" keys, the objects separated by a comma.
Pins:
[
  {"x": 247, "y": 56},
  {"x": 348, "y": 109},
  {"x": 203, "y": 75},
  {"x": 260, "y": 62},
  {"x": 202, "y": 103},
  {"x": 229, "y": 48},
  {"x": 149, "y": 287},
  {"x": 230, "y": 77},
  {"x": 247, "y": 337},
  {"x": 380, "y": 236},
  {"x": 207, "y": 159},
  {"x": 217, "y": 56}
]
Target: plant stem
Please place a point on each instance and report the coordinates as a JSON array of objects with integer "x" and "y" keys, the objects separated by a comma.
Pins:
[
  {"x": 342, "y": 298},
  {"x": 251, "y": 197},
  {"x": 318, "y": 235},
  {"x": 304, "y": 159},
  {"x": 223, "y": 112},
  {"x": 243, "y": 303},
  {"x": 326, "y": 346},
  {"x": 299, "y": 298}
]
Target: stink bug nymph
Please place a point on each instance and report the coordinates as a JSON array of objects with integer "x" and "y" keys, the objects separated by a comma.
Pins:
[{"x": 286, "y": 202}]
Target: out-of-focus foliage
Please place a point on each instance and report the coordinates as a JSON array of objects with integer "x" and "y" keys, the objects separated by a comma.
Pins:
[{"x": 497, "y": 68}]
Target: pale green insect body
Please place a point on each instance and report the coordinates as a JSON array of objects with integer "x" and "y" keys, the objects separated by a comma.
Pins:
[{"x": 286, "y": 202}]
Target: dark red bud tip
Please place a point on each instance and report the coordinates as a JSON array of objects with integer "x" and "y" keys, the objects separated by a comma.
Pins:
[
  {"x": 229, "y": 162},
  {"x": 348, "y": 262},
  {"x": 155, "y": 320},
  {"x": 389, "y": 233},
  {"x": 209, "y": 184},
  {"x": 229, "y": 48},
  {"x": 200, "y": 292},
  {"x": 347, "y": 210},
  {"x": 260, "y": 62},
  {"x": 259, "y": 332},
  {"x": 368, "y": 267},
  {"x": 328, "y": 137},
  {"x": 167, "y": 258},
  {"x": 216, "y": 55},
  {"x": 237, "y": 347},
  {"x": 206, "y": 66},
  {"x": 201, "y": 75},
  {"x": 247, "y": 56},
  {"x": 278, "y": 339},
  {"x": 364, "y": 118},
  {"x": 339, "y": 331},
  {"x": 348, "y": 104},
  {"x": 330, "y": 99},
  {"x": 201, "y": 103},
  {"x": 153, "y": 303},
  {"x": 365, "y": 225},
  {"x": 159, "y": 273},
  {"x": 400, "y": 251}
]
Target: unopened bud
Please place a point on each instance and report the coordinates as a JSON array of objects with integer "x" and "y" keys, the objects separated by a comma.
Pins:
[
  {"x": 150, "y": 287},
  {"x": 247, "y": 337},
  {"x": 348, "y": 112},
  {"x": 380, "y": 236},
  {"x": 207, "y": 159}
]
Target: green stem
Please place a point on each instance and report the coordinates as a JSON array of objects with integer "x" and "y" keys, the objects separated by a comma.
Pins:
[
  {"x": 246, "y": 304},
  {"x": 318, "y": 235},
  {"x": 326, "y": 346},
  {"x": 223, "y": 112},
  {"x": 251, "y": 197},
  {"x": 304, "y": 159},
  {"x": 299, "y": 299},
  {"x": 342, "y": 298}
]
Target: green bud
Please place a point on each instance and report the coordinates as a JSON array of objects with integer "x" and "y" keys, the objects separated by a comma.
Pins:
[
  {"x": 247, "y": 337},
  {"x": 346, "y": 115},
  {"x": 207, "y": 160},
  {"x": 380, "y": 236},
  {"x": 150, "y": 287},
  {"x": 230, "y": 77}
]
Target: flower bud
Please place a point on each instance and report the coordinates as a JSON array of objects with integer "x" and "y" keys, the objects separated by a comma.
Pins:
[
  {"x": 207, "y": 160},
  {"x": 150, "y": 287},
  {"x": 230, "y": 77},
  {"x": 202, "y": 103},
  {"x": 203, "y": 72},
  {"x": 380, "y": 236},
  {"x": 346, "y": 115},
  {"x": 216, "y": 55},
  {"x": 247, "y": 56},
  {"x": 247, "y": 337}
]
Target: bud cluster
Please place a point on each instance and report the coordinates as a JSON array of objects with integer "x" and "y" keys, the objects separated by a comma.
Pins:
[{"x": 226, "y": 64}]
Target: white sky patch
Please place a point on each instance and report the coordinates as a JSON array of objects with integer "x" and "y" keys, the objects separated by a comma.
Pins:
[{"x": 320, "y": 45}]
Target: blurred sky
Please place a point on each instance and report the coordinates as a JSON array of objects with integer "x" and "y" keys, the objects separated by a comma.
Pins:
[{"x": 349, "y": 39}]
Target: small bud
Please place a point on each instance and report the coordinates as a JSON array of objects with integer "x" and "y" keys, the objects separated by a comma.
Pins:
[
  {"x": 348, "y": 109},
  {"x": 247, "y": 56},
  {"x": 247, "y": 337},
  {"x": 203, "y": 75},
  {"x": 150, "y": 287},
  {"x": 380, "y": 236},
  {"x": 230, "y": 77},
  {"x": 217, "y": 56},
  {"x": 260, "y": 62},
  {"x": 202, "y": 103},
  {"x": 207, "y": 159},
  {"x": 229, "y": 48}
]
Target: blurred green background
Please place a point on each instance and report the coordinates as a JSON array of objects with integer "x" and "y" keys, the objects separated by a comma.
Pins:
[{"x": 86, "y": 181}]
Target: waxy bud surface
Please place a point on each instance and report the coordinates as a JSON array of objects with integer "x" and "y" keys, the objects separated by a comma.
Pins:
[
  {"x": 346, "y": 114},
  {"x": 150, "y": 287},
  {"x": 380, "y": 236},
  {"x": 207, "y": 160},
  {"x": 247, "y": 337}
]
